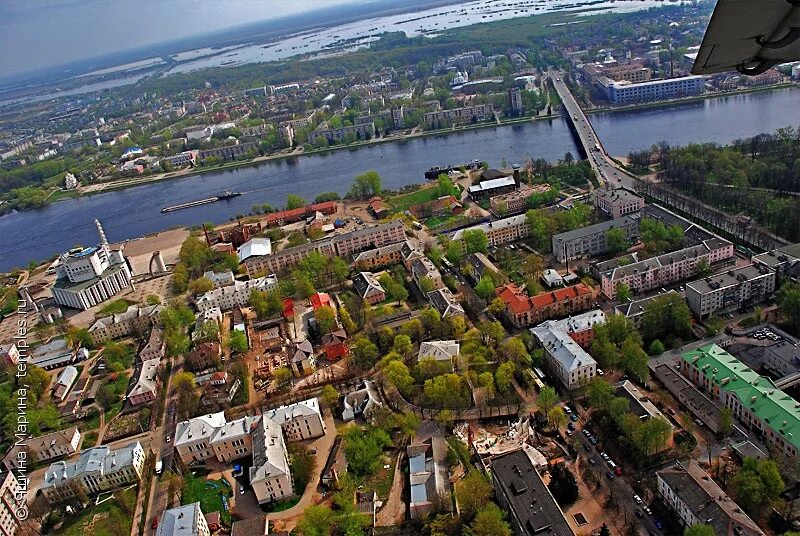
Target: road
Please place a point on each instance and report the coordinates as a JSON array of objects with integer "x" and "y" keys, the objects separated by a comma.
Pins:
[{"x": 608, "y": 172}]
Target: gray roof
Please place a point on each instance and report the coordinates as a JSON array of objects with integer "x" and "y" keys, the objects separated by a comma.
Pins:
[
  {"x": 706, "y": 500},
  {"x": 131, "y": 313},
  {"x": 691, "y": 252},
  {"x": 269, "y": 451},
  {"x": 727, "y": 279},
  {"x": 67, "y": 376},
  {"x": 634, "y": 308},
  {"x": 492, "y": 225},
  {"x": 617, "y": 194},
  {"x": 365, "y": 283},
  {"x": 180, "y": 521},
  {"x": 366, "y": 231},
  {"x": 491, "y": 184},
  {"x": 561, "y": 346},
  {"x": 98, "y": 460},
  {"x": 527, "y": 496},
  {"x": 445, "y": 302},
  {"x": 438, "y": 350},
  {"x": 602, "y": 227},
  {"x": 428, "y": 477},
  {"x": 148, "y": 374},
  {"x": 377, "y": 252},
  {"x": 287, "y": 413},
  {"x": 580, "y": 322}
]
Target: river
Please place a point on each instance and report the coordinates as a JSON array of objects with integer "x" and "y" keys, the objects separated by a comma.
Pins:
[{"x": 129, "y": 213}]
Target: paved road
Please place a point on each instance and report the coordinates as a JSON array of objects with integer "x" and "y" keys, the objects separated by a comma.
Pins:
[{"x": 608, "y": 173}]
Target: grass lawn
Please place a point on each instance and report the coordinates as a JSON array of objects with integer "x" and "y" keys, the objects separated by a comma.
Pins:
[
  {"x": 280, "y": 506},
  {"x": 110, "y": 517},
  {"x": 209, "y": 493},
  {"x": 115, "y": 307},
  {"x": 400, "y": 203}
]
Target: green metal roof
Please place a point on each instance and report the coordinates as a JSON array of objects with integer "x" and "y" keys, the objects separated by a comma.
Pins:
[{"x": 757, "y": 393}]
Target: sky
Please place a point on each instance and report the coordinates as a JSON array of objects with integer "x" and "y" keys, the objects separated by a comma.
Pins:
[{"x": 42, "y": 33}]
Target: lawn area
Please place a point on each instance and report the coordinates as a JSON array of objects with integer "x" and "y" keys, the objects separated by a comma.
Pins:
[
  {"x": 280, "y": 506},
  {"x": 108, "y": 518},
  {"x": 210, "y": 493},
  {"x": 115, "y": 307},
  {"x": 381, "y": 481},
  {"x": 400, "y": 203}
]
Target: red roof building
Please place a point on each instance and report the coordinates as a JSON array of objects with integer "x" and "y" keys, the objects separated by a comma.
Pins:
[
  {"x": 523, "y": 310},
  {"x": 290, "y": 216},
  {"x": 335, "y": 344},
  {"x": 319, "y": 299},
  {"x": 288, "y": 308},
  {"x": 378, "y": 207}
]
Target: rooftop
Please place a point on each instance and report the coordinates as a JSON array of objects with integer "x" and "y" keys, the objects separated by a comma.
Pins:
[
  {"x": 180, "y": 521},
  {"x": 492, "y": 225},
  {"x": 561, "y": 346},
  {"x": 438, "y": 350},
  {"x": 727, "y": 279},
  {"x": 602, "y": 227},
  {"x": 255, "y": 247},
  {"x": 491, "y": 184}
]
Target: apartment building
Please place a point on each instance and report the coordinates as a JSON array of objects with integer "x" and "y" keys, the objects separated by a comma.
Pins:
[
  {"x": 299, "y": 421},
  {"x": 564, "y": 358},
  {"x": 374, "y": 258},
  {"x": 370, "y": 237},
  {"x": 9, "y": 494},
  {"x": 9, "y": 353},
  {"x": 362, "y": 131},
  {"x": 145, "y": 390},
  {"x": 277, "y": 262},
  {"x": 211, "y": 436},
  {"x": 467, "y": 114},
  {"x": 617, "y": 202},
  {"x": 591, "y": 240},
  {"x": 640, "y": 405},
  {"x": 666, "y": 269},
  {"x": 422, "y": 269},
  {"x": 634, "y": 310},
  {"x": 736, "y": 289},
  {"x": 784, "y": 261},
  {"x": 445, "y": 302},
  {"x": 754, "y": 400},
  {"x": 228, "y": 152},
  {"x": 136, "y": 319},
  {"x": 696, "y": 499},
  {"x": 235, "y": 295},
  {"x": 581, "y": 327},
  {"x": 187, "y": 520},
  {"x": 155, "y": 346},
  {"x": 43, "y": 448},
  {"x": 523, "y": 310},
  {"x": 97, "y": 470},
  {"x": 625, "y": 92},
  {"x": 270, "y": 474},
  {"x": 500, "y": 232}
]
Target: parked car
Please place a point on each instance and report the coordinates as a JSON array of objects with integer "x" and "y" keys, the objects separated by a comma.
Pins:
[
  {"x": 586, "y": 432},
  {"x": 647, "y": 510},
  {"x": 573, "y": 417},
  {"x": 571, "y": 426},
  {"x": 610, "y": 475},
  {"x": 637, "y": 499},
  {"x": 658, "y": 524},
  {"x": 154, "y": 524}
]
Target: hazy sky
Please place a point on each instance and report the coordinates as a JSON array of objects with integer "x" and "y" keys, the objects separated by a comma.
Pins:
[{"x": 41, "y": 33}]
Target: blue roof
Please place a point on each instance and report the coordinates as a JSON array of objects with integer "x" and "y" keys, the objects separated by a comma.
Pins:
[{"x": 85, "y": 252}]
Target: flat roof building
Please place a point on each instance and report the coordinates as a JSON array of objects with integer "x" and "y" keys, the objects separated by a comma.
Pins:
[
  {"x": 736, "y": 289},
  {"x": 591, "y": 240},
  {"x": 617, "y": 202},
  {"x": 187, "y": 520}
]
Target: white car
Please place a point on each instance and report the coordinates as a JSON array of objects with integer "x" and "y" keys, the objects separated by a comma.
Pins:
[{"x": 637, "y": 499}]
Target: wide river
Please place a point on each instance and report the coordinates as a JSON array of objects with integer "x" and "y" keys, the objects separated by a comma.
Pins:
[{"x": 39, "y": 234}]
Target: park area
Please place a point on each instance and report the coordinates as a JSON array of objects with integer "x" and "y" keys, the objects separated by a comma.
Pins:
[
  {"x": 213, "y": 495},
  {"x": 111, "y": 517}
]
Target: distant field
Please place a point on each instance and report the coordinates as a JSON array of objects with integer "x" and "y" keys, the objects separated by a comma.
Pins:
[{"x": 401, "y": 203}]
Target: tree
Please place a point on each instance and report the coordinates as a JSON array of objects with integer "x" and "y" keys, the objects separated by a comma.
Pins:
[
  {"x": 497, "y": 306},
  {"x": 486, "y": 380},
  {"x": 403, "y": 346},
  {"x": 604, "y": 530},
  {"x": 431, "y": 322},
  {"x": 445, "y": 186},
  {"x": 599, "y": 393},
  {"x": 623, "y": 292},
  {"x": 489, "y": 522},
  {"x": 563, "y": 485},
  {"x": 266, "y": 304},
  {"x": 485, "y": 287},
  {"x": 504, "y": 375},
  {"x": 326, "y": 319},
  {"x": 557, "y": 417},
  {"x": 475, "y": 241},
  {"x": 347, "y": 322},
  {"x": 188, "y": 399},
  {"x": 79, "y": 338},
  {"x": 725, "y": 422},
  {"x": 407, "y": 422},
  {"x": 788, "y": 300},
  {"x": 295, "y": 201},
  {"x": 364, "y": 352},
  {"x": 282, "y": 376},
  {"x": 363, "y": 449},
  {"x": 473, "y": 492},
  {"x": 635, "y": 359},
  {"x": 317, "y": 520},
  {"x": 491, "y": 333},
  {"x": 699, "y": 530},
  {"x": 757, "y": 483},
  {"x": 238, "y": 342},
  {"x": 666, "y": 317},
  {"x": 514, "y": 350},
  {"x": 398, "y": 375},
  {"x": 454, "y": 253},
  {"x": 656, "y": 347},
  {"x": 200, "y": 286},
  {"x": 703, "y": 268},
  {"x": 365, "y": 185},
  {"x": 547, "y": 399},
  {"x": 616, "y": 240}
]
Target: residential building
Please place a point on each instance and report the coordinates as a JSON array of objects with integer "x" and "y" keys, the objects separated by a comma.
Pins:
[
  {"x": 440, "y": 351},
  {"x": 362, "y": 131},
  {"x": 283, "y": 217},
  {"x": 423, "y": 268},
  {"x": 155, "y": 347},
  {"x": 446, "y": 205},
  {"x": 467, "y": 114},
  {"x": 303, "y": 362},
  {"x": 64, "y": 383},
  {"x": 695, "y": 499},
  {"x": 9, "y": 353},
  {"x": 227, "y": 152},
  {"x": 523, "y": 495},
  {"x": 591, "y": 240},
  {"x": 135, "y": 320},
  {"x": 10, "y": 495},
  {"x": 43, "y": 448},
  {"x": 364, "y": 402},
  {"x": 581, "y": 327},
  {"x": 219, "y": 389},
  {"x": 492, "y": 188},
  {"x": 666, "y": 269},
  {"x": 754, "y": 400},
  {"x": 335, "y": 465},
  {"x": 370, "y": 237},
  {"x": 784, "y": 261},
  {"x": 270, "y": 474},
  {"x": 56, "y": 354},
  {"x": 187, "y": 520},
  {"x": 301, "y": 420},
  {"x": 500, "y": 232},
  {"x": 211, "y": 436},
  {"x": 481, "y": 266},
  {"x": 204, "y": 356},
  {"x": 671, "y": 88},
  {"x": 634, "y": 310},
  {"x": 89, "y": 276},
  {"x": 523, "y": 310},
  {"x": 430, "y": 482},
  {"x": 379, "y": 257},
  {"x": 641, "y": 406},
  {"x": 515, "y": 105},
  {"x": 564, "y": 358},
  {"x": 736, "y": 289},
  {"x": 445, "y": 302},
  {"x": 287, "y": 258},
  {"x": 255, "y": 247},
  {"x": 335, "y": 345},
  {"x": 410, "y": 254},
  {"x": 145, "y": 390},
  {"x": 97, "y": 470},
  {"x": 552, "y": 278},
  {"x": 236, "y": 295},
  {"x": 186, "y": 158},
  {"x": 368, "y": 287},
  {"x": 377, "y": 207},
  {"x": 617, "y": 202},
  {"x": 517, "y": 200},
  {"x": 253, "y": 526}
]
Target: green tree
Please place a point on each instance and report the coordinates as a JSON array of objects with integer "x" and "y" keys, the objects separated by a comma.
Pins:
[
  {"x": 282, "y": 376},
  {"x": 398, "y": 375},
  {"x": 363, "y": 449},
  {"x": 725, "y": 422},
  {"x": 473, "y": 492},
  {"x": 497, "y": 306},
  {"x": 200, "y": 286},
  {"x": 491, "y": 333},
  {"x": 79, "y": 338},
  {"x": 475, "y": 241},
  {"x": 489, "y": 522},
  {"x": 788, "y": 300},
  {"x": 187, "y": 397},
  {"x": 317, "y": 520},
  {"x": 347, "y": 322},
  {"x": 326, "y": 319},
  {"x": 547, "y": 400},
  {"x": 599, "y": 393},
  {"x": 364, "y": 352},
  {"x": 403, "y": 346},
  {"x": 513, "y": 349},
  {"x": 656, "y": 347},
  {"x": 485, "y": 288},
  {"x": 365, "y": 185},
  {"x": 699, "y": 530},
  {"x": 557, "y": 417},
  {"x": 295, "y": 201},
  {"x": 616, "y": 240},
  {"x": 623, "y": 292},
  {"x": 238, "y": 342},
  {"x": 563, "y": 485},
  {"x": 330, "y": 397},
  {"x": 455, "y": 253},
  {"x": 504, "y": 376},
  {"x": 665, "y": 318}
]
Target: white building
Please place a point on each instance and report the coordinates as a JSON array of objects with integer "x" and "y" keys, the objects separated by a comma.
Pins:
[
  {"x": 70, "y": 182},
  {"x": 220, "y": 279},
  {"x": 145, "y": 389},
  {"x": 96, "y": 470},
  {"x": 365, "y": 402},
  {"x": 440, "y": 351},
  {"x": 738, "y": 288},
  {"x": 64, "y": 383},
  {"x": 302, "y": 420},
  {"x": 136, "y": 317},
  {"x": 89, "y": 276},
  {"x": 564, "y": 357},
  {"x": 270, "y": 474},
  {"x": 237, "y": 294},
  {"x": 187, "y": 520},
  {"x": 255, "y": 247}
]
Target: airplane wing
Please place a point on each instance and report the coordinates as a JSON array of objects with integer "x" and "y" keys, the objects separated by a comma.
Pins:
[{"x": 750, "y": 36}]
